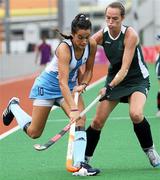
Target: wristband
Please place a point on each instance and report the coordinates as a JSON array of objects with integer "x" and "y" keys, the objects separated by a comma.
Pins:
[
  {"x": 84, "y": 84},
  {"x": 109, "y": 87}
]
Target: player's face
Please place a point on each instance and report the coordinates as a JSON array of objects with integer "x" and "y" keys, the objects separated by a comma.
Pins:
[
  {"x": 113, "y": 18},
  {"x": 81, "y": 38}
]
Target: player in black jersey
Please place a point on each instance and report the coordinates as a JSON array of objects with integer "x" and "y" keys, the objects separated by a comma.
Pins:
[{"x": 127, "y": 81}]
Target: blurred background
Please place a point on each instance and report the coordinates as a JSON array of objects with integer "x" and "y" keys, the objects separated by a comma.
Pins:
[{"x": 23, "y": 23}]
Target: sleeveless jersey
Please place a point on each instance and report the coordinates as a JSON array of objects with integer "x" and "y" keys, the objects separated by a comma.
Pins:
[
  {"x": 46, "y": 86},
  {"x": 114, "y": 49}
]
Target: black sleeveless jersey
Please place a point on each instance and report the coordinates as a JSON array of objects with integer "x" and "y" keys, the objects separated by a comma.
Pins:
[{"x": 114, "y": 49}]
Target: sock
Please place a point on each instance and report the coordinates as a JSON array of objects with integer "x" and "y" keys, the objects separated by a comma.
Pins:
[
  {"x": 158, "y": 100},
  {"x": 143, "y": 133},
  {"x": 93, "y": 137},
  {"x": 26, "y": 127},
  {"x": 88, "y": 159},
  {"x": 22, "y": 117},
  {"x": 79, "y": 146}
]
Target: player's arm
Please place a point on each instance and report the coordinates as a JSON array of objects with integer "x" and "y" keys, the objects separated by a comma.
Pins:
[
  {"x": 80, "y": 74},
  {"x": 130, "y": 43},
  {"x": 89, "y": 64},
  {"x": 64, "y": 57},
  {"x": 98, "y": 37}
]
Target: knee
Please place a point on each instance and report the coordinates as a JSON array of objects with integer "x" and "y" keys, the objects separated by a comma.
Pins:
[
  {"x": 97, "y": 124},
  {"x": 34, "y": 134},
  {"x": 136, "y": 116}
]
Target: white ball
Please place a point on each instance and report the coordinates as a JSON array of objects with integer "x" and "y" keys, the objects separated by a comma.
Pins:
[{"x": 82, "y": 172}]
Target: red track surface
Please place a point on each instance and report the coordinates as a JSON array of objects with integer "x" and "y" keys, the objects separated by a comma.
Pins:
[{"x": 21, "y": 88}]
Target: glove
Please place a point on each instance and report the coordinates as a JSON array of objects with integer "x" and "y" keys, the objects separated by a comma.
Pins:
[
  {"x": 107, "y": 94},
  {"x": 108, "y": 91}
]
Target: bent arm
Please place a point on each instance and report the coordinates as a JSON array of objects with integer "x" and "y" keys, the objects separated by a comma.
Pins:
[
  {"x": 130, "y": 43},
  {"x": 64, "y": 56},
  {"x": 98, "y": 37},
  {"x": 90, "y": 63}
]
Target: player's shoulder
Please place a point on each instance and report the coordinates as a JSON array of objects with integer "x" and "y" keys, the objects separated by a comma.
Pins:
[
  {"x": 93, "y": 45},
  {"x": 131, "y": 32},
  {"x": 63, "y": 48},
  {"x": 131, "y": 35},
  {"x": 92, "y": 42},
  {"x": 65, "y": 44}
]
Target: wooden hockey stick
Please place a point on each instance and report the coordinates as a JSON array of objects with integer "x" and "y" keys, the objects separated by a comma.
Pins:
[
  {"x": 59, "y": 135},
  {"x": 70, "y": 149}
]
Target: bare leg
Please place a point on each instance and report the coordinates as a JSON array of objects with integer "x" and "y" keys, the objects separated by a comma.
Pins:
[
  {"x": 140, "y": 123},
  {"x": 104, "y": 108},
  {"x": 136, "y": 106},
  {"x": 142, "y": 128},
  {"x": 39, "y": 118}
]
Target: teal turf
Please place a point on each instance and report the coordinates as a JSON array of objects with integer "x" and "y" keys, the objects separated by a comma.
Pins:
[{"x": 118, "y": 154}]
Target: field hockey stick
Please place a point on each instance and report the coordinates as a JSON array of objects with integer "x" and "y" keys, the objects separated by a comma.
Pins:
[
  {"x": 69, "y": 158},
  {"x": 58, "y": 136}
]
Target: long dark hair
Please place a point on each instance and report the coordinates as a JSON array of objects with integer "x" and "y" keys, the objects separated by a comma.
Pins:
[{"x": 81, "y": 21}]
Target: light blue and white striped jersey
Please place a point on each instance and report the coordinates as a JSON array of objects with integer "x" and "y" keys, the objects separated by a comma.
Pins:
[{"x": 46, "y": 86}]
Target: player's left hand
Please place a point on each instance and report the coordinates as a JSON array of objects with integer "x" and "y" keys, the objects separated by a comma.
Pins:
[
  {"x": 80, "y": 88},
  {"x": 105, "y": 92},
  {"x": 108, "y": 91}
]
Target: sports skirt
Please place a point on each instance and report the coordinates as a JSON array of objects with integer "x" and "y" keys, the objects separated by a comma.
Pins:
[{"x": 125, "y": 89}]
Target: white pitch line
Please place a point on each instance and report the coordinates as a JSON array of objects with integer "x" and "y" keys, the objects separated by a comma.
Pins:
[
  {"x": 90, "y": 118},
  {"x": 9, "y": 132},
  {"x": 54, "y": 107}
]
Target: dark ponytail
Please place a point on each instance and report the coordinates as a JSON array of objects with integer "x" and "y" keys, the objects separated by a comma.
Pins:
[
  {"x": 79, "y": 22},
  {"x": 64, "y": 35}
]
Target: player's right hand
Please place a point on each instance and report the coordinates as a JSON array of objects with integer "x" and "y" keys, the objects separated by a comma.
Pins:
[{"x": 74, "y": 115}]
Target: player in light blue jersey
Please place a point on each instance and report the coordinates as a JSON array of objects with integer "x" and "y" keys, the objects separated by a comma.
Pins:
[{"x": 55, "y": 87}]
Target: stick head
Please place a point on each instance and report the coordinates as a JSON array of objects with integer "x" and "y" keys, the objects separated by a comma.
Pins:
[
  {"x": 39, "y": 147},
  {"x": 70, "y": 167}
]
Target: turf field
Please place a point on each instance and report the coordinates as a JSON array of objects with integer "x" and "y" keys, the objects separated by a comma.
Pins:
[{"x": 118, "y": 154}]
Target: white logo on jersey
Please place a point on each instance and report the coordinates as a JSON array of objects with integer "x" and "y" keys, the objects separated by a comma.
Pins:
[
  {"x": 146, "y": 91},
  {"x": 107, "y": 42}
]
